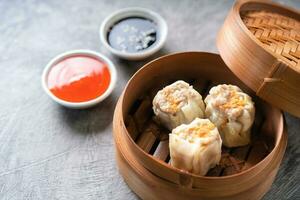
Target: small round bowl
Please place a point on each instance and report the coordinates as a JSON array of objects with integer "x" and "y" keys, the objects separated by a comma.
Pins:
[
  {"x": 134, "y": 12},
  {"x": 85, "y": 104}
]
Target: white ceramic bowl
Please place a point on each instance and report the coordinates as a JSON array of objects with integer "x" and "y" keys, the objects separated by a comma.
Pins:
[
  {"x": 134, "y": 12},
  {"x": 85, "y": 104}
]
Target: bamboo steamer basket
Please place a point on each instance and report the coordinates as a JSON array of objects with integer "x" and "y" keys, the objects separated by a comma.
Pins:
[
  {"x": 142, "y": 150},
  {"x": 260, "y": 43}
]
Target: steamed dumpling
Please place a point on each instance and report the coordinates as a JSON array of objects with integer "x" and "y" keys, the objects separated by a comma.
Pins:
[
  {"x": 178, "y": 104},
  {"x": 232, "y": 111},
  {"x": 195, "y": 147}
]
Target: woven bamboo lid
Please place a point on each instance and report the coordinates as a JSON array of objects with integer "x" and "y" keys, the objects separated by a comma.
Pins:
[{"x": 260, "y": 43}]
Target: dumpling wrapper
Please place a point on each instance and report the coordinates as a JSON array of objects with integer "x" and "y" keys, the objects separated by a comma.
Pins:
[
  {"x": 178, "y": 104},
  {"x": 233, "y": 112},
  {"x": 195, "y": 147}
]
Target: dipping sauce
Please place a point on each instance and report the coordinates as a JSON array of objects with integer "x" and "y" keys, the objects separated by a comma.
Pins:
[
  {"x": 132, "y": 34},
  {"x": 78, "y": 78}
]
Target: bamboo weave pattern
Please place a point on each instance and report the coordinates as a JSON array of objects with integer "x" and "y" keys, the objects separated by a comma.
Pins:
[{"x": 278, "y": 33}]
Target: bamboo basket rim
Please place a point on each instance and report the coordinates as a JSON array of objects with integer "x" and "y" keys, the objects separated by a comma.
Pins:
[
  {"x": 282, "y": 127},
  {"x": 237, "y": 10}
]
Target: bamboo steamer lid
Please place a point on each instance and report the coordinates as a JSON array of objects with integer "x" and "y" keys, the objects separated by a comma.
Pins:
[{"x": 260, "y": 43}]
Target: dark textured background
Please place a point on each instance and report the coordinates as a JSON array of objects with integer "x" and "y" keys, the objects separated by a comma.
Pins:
[{"x": 50, "y": 152}]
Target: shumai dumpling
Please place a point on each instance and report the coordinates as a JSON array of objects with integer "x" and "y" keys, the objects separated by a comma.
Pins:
[
  {"x": 232, "y": 111},
  {"x": 195, "y": 147},
  {"x": 178, "y": 104}
]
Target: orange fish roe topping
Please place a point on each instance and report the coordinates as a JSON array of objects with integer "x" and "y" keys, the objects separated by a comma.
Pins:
[
  {"x": 173, "y": 101},
  {"x": 234, "y": 101},
  {"x": 201, "y": 130}
]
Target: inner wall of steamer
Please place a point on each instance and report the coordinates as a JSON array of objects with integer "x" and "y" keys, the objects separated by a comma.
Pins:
[{"x": 255, "y": 6}]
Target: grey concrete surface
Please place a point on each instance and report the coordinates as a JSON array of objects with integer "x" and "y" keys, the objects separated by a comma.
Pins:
[{"x": 50, "y": 152}]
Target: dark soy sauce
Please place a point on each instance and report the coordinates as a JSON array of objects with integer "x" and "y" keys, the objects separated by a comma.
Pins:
[{"x": 132, "y": 34}]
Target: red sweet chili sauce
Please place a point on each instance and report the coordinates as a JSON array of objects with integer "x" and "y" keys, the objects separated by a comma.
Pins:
[{"x": 78, "y": 78}]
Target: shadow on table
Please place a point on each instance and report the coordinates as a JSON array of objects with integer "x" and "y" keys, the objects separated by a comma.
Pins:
[
  {"x": 130, "y": 67},
  {"x": 89, "y": 121}
]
